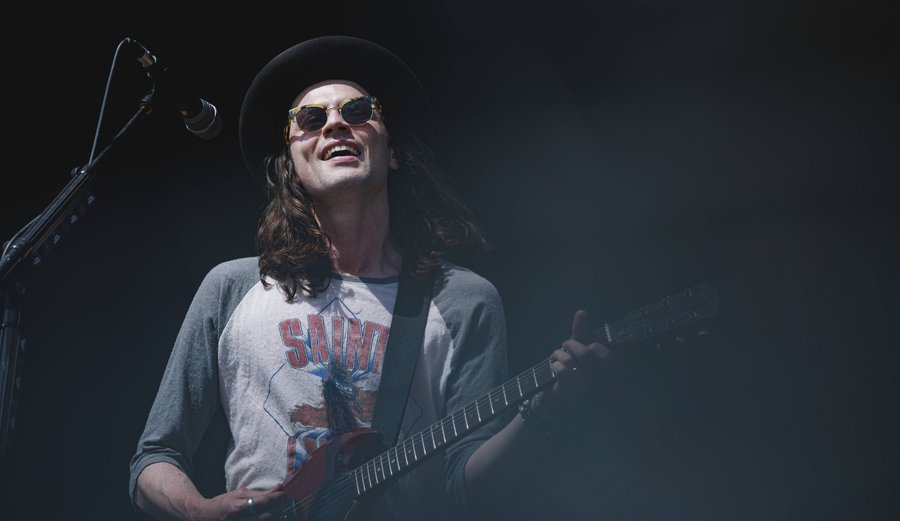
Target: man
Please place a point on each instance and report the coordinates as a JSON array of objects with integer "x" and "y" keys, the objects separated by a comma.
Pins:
[{"x": 290, "y": 345}]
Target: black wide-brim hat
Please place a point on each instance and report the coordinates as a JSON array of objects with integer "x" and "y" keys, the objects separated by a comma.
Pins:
[{"x": 379, "y": 71}]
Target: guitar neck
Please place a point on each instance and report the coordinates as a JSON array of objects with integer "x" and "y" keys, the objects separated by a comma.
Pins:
[
  {"x": 692, "y": 304},
  {"x": 416, "y": 448}
]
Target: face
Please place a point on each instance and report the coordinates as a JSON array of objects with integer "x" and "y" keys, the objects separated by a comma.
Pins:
[{"x": 361, "y": 161}]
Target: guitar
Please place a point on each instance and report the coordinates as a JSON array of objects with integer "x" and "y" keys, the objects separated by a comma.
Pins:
[{"x": 340, "y": 479}]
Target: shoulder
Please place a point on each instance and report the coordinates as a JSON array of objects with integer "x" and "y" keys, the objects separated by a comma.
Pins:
[
  {"x": 456, "y": 281},
  {"x": 235, "y": 270},
  {"x": 222, "y": 289},
  {"x": 461, "y": 292},
  {"x": 230, "y": 279},
  {"x": 459, "y": 279}
]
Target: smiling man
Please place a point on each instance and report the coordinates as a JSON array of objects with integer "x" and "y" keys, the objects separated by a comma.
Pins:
[{"x": 291, "y": 344}]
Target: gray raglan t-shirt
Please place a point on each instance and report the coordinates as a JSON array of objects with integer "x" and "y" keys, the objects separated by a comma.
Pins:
[{"x": 288, "y": 374}]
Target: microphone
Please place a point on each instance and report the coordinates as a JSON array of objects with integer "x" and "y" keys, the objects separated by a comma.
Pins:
[{"x": 200, "y": 116}]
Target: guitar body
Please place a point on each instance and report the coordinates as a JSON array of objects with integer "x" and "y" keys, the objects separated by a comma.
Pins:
[{"x": 323, "y": 489}]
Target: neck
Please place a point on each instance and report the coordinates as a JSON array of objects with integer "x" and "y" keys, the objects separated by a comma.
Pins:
[{"x": 359, "y": 235}]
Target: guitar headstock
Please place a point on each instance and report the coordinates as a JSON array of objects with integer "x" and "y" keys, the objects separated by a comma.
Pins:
[{"x": 689, "y": 306}]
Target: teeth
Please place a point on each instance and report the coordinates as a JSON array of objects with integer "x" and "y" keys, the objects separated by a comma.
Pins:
[{"x": 330, "y": 152}]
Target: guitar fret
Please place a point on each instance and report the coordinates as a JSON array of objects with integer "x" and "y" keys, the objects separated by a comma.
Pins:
[
  {"x": 391, "y": 461},
  {"x": 375, "y": 470},
  {"x": 444, "y": 434},
  {"x": 453, "y": 421},
  {"x": 356, "y": 480},
  {"x": 390, "y": 467},
  {"x": 491, "y": 403},
  {"x": 368, "y": 475},
  {"x": 519, "y": 383},
  {"x": 433, "y": 443},
  {"x": 505, "y": 401},
  {"x": 534, "y": 373},
  {"x": 477, "y": 411},
  {"x": 415, "y": 457},
  {"x": 465, "y": 418},
  {"x": 405, "y": 453}
]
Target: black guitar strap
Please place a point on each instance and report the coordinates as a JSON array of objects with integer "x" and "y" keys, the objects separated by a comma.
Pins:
[{"x": 402, "y": 353}]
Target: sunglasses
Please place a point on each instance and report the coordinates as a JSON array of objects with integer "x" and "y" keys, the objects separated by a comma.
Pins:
[{"x": 354, "y": 111}]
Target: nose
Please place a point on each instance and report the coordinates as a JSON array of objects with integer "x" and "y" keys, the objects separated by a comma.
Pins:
[{"x": 334, "y": 121}]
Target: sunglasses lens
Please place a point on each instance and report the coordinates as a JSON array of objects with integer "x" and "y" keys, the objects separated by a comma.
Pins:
[
  {"x": 357, "y": 112},
  {"x": 311, "y": 118}
]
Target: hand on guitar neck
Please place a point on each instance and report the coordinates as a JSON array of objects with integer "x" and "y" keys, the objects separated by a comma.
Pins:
[{"x": 577, "y": 359}]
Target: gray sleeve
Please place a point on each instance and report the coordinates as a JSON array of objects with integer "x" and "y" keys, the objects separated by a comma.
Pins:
[
  {"x": 478, "y": 327},
  {"x": 188, "y": 395}
]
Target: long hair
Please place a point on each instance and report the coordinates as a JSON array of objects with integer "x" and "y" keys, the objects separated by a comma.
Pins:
[{"x": 427, "y": 223}]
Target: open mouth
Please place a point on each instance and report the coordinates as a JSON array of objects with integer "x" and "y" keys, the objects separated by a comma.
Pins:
[{"x": 342, "y": 150}]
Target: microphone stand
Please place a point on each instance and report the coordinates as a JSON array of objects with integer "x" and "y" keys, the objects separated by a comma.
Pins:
[{"x": 36, "y": 240}]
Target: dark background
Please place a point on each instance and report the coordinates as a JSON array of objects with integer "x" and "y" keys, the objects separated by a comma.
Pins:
[{"x": 614, "y": 152}]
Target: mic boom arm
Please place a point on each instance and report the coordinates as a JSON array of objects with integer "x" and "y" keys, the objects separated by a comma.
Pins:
[{"x": 201, "y": 117}]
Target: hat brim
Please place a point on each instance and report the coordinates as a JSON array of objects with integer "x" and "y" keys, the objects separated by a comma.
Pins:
[{"x": 379, "y": 71}]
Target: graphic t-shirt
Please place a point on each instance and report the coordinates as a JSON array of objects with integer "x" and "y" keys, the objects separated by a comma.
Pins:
[{"x": 291, "y": 375}]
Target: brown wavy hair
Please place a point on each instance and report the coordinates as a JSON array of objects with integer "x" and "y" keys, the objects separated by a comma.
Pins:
[{"x": 428, "y": 221}]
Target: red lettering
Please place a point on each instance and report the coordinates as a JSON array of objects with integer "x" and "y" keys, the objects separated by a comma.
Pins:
[
  {"x": 354, "y": 343},
  {"x": 317, "y": 339},
  {"x": 337, "y": 339},
  {"x": 292, "y": 336}
]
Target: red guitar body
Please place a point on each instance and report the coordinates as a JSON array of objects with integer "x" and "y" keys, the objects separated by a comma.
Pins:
[{"x": 323, "y": 489}]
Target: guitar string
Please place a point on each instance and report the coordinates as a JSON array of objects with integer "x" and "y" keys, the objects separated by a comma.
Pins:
[
  {"x": 326, "y": 503},
  {"x": 348, "y": 481}
]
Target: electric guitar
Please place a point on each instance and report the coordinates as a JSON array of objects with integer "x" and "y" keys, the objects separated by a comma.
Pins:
[{"x": 341, "y": 478}]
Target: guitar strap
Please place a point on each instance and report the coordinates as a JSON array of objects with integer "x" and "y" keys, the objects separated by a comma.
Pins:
[{"x": 402, "y": 353}]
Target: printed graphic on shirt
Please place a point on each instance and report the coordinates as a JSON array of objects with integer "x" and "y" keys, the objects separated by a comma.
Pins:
[{"x": 345, "y": 354}]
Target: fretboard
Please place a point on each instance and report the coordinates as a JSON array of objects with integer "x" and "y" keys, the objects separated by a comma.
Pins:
[{"x": 416, "y": 448}]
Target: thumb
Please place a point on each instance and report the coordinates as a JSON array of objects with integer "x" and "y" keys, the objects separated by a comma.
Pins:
[{"x": 581, "y": 327}]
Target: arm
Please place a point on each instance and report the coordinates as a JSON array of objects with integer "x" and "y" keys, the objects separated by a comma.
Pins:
[
  {"x": 165, "y": 493},
  {"x": 187, "y": 400},
  {"x": 512, "y": 456}
]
